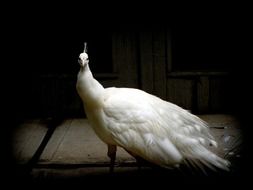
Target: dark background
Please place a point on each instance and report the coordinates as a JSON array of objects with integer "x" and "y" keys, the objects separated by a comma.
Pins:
[
  {"x": 44, "y": 52},
  {"x": 43, "y": 46}
]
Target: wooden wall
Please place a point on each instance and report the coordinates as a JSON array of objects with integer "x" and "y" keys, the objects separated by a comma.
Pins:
[
  {"x": 141, "y": 58},
  {"x": 199, "y": 91}
]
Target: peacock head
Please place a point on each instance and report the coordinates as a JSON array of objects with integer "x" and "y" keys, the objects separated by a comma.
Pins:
[{"x": 83, "y": 59}]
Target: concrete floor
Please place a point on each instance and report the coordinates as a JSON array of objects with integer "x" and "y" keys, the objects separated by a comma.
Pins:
[{"x": 70, "y": 149}]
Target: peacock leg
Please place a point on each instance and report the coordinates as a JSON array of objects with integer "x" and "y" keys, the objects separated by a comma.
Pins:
[
  {"x": 112, "y": 155},
  {"x": 139, "y": 162},
  {"x": 138, "y": 159}
]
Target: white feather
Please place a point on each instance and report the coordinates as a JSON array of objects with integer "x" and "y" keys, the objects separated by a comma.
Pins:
[{"x": 156, "y": 130}]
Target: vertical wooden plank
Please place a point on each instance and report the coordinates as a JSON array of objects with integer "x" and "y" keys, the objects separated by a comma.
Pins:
[
  {"x": 115, "y": 50},
  {"x": 168, "y": 50},
  {"x": 124, "y": 50},
  {"x": 159, "y": 62},
  {"x": 203, "y": 94},
  {"x": 218, "y": 94},
  {"x": 179, "y": 91},
  {"x": 146, "y": 61}
]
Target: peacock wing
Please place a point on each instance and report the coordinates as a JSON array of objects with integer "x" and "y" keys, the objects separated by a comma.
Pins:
[{"x": 156, "y": 130}]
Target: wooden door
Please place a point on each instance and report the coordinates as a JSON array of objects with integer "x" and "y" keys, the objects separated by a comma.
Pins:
[
  {"x": 143, "y": 58},
  {"x": 127, "y": 55}
]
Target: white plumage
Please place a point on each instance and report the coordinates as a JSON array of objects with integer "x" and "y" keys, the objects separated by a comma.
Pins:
[{"x": 145, "y": 125}]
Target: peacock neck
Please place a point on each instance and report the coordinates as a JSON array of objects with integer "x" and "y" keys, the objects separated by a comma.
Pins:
[{"x": 89, "y": 89}]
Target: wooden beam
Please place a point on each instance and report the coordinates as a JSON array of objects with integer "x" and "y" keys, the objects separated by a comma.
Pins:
[{"x": 146, "y": 61}]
